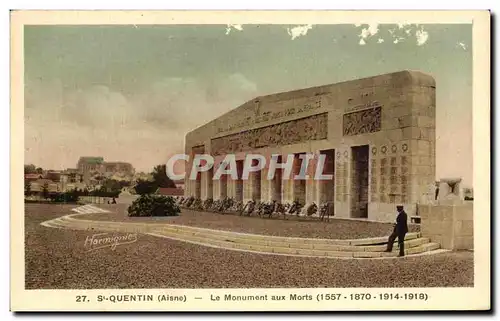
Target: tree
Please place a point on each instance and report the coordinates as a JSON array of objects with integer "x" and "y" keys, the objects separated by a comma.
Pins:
[
  {"x": 29, "y": 169},
  {"x": 45, "y": 190},
  {"x": 39, "y": 170},
  {"x": 145, "y": 187},
  {"x": 161, "y": 178},
  {"x": 112, "y": 185},
  {"x": 72, "y": 196}
]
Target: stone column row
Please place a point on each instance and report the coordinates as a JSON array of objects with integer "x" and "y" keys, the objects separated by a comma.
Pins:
[{"x": 259, "y": 188}]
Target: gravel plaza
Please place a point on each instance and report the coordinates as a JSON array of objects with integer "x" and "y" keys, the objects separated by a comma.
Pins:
[{"x": 58, "y": 259}]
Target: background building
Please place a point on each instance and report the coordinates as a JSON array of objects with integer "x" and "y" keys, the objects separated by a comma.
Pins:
[
  {"x": 118, "y": 168},
  {"x": 95, "y": 170},
  {"x": 89, "y": 166}
]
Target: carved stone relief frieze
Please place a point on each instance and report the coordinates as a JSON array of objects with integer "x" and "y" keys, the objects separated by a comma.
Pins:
[
  {"x": 296, "y": 131},
  {"x": 362, "y": 122}
]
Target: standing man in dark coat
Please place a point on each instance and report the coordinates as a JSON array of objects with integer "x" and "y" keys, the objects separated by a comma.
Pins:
[{"x": 400, "y": 230}]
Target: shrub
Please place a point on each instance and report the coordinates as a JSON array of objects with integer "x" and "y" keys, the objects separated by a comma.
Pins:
[{"x": 154, "y": 205}]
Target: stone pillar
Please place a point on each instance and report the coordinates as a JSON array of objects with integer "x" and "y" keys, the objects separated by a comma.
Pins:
[
  {"x": 287, "y": 182},
  {"x": 276, "y": 184},
  {"x": 299, "y": 185},
  {"x": 216, "y": 189},
  {"x": 221, "y": 187},
  {"x": 207, "y": 184},
  {"x": 342, "y": 182},
  {"x": 311, "y": 184},
  {"x": 265, "y": 184},
  {"x": 422, "y": 136},
  {"x": 256, "y": 184},
  {"x": 272, "y": 188},
  {"x": 204, "y": 182},
  {"x": 326, "y": 188},
  {"x": 238, "y": 184},
  {"x": 374, "y": 176},
  {"x": 197, "y": 186},
  {"x": 252, "y": 185},
  {"x": 187, "y": 187},
  {"x": 247, "y": 190},
  {"x": 230, "y": 186}
]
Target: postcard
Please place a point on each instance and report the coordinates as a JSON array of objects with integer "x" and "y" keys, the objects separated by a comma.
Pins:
[{"x": 250, "y": 160}]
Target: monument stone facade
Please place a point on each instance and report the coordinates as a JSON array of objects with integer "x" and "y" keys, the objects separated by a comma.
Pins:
[{"x": 378, "y": 135}]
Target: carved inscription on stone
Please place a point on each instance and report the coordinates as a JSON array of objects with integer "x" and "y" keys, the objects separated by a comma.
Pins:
[
  {"x": 362, "y": 122},
  {"x": 291, "y": 132},
  {"x": 260, "y": 117}
]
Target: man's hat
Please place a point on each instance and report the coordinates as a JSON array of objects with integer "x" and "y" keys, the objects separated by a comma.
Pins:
[{"x": 399, "y": 207}]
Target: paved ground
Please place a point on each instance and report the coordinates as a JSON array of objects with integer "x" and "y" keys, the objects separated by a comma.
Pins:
[
  {"x": 57, "y": 259},
  {"x": 293, "y": 226}
]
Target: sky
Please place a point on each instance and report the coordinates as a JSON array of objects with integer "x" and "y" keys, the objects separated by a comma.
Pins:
[{"x": 131, "y": 92}]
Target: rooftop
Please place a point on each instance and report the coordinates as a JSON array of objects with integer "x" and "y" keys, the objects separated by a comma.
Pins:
[{"x": 92, "y": 159}]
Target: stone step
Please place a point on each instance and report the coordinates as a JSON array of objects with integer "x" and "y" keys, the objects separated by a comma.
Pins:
[
  {"x": 333, "y": 253},
  {"x": 427, "y": 247},
  {"x": 282, "y": 242},
  {"x": 62, "y": 224},
  {"x": 109, "y": 227},
  {"x": 110, "y": 224},
  {"x": 53, "y": 224},
  {"x": 408, "y": 244},
  {"x": 306, "y": 243},
  {"x": 288, "y": 240},
  {"x": 357, "y": 248}
]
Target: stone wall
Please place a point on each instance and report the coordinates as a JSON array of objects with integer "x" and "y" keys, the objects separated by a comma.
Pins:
[
  {"x": 449, "y": 224},
  {"x": 95, "y": 199}
]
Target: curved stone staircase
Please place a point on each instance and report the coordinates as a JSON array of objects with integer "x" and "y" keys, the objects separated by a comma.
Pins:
[{"x": 325, "y": 248}]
